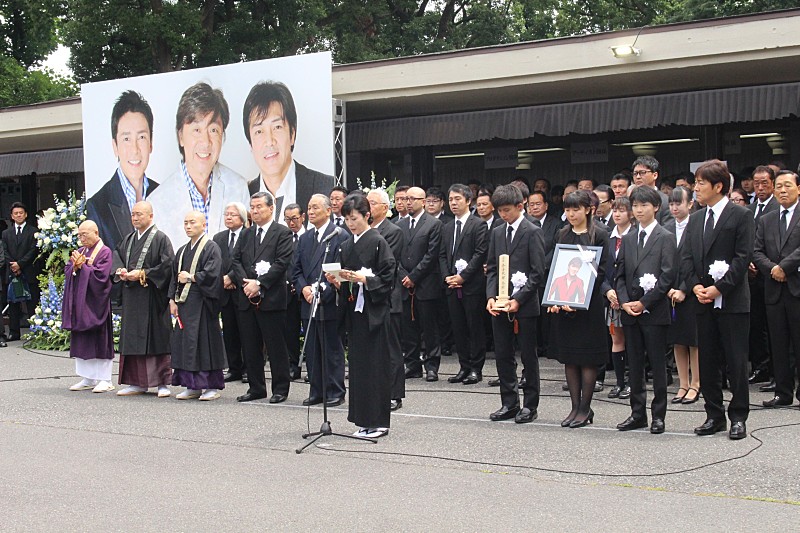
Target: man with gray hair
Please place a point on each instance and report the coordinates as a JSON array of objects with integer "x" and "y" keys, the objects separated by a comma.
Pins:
[
  {"x": 322, "y": 331},
  {"x": 260, "y": 263},
  {"x": 379, "y": 207},
  {"x": 235, "y": 222}
]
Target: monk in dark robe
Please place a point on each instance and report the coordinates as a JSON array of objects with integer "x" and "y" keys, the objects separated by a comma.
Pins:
[
  {"x": 86, "y": 310},
  {"x": 143, "y": 264},
  {"x": 198, "y": 352}
]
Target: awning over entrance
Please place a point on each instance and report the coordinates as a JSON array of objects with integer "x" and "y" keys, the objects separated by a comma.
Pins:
[
  {"x": 50, "y": 162},
  {"x": 698, "y": 108}
]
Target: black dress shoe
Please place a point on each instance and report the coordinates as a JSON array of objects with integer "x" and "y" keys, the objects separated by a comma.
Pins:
[
  {"x": 447, "y": 352},
  {"x": 472, "y": 378},
  {"x": 3, "y": 343},
  {"x": 504, "y": 413},
  {"x": 458, "y": 378},
  {"x": 523, "y": 383},
  {"x": 759, "y": 376},
  {"x": 776, "y": 401},
  {"x": 294, "y": 373},
  {"x": 244, "y": 379},
  {"x": 231, "y": 377},
  {"x": 738, "y": 431},
  {"x": 526, "y": 415},
  {"x": 277, "y": 398},
  {"x": 614, "y": 392},
  {"x": 494, "y": 382},
  {"x": 311, "y": 401},
  {"x": 580, "y": 422},
  {"x": 333, "y": 402},
  {"x": 691, "y": 399},
  {"x": 657, "y": 427},
  {"x": 11, "y": 338},
  {"x": 598, "y": 386},
  {"x": 678, "y": 396},
  {"x": 432, "y": 376},
  {"x": 625, "y": 393},
  {"x": 710, "y": 427},
  {"x": 395, "y": 405},
  {"x": 565, "y": 386},
  {"x": 249, "y": 397},
  {"x": 769, "y": 387},
  {"x": 631, "y": 423},
  {"x": 413, "y": 373}
]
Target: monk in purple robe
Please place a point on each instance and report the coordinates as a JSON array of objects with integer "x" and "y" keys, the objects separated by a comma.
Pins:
[{"x": 86, "y": 310}]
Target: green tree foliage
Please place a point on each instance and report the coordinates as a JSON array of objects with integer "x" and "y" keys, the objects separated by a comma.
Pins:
[
  {"x": 120, "y": 38},
  {"x": 20, "y": 86}
]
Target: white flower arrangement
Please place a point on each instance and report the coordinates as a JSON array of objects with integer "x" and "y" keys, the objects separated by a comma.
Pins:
[
  {"x": 518, "y": 280},
  {"x": 460, "y": 266},
  {"x": 373, "y": 185},
  {"x": 262, "y": 267},
  {"x": 648, "y": 282},
  {"x": 58, "y": 226}
]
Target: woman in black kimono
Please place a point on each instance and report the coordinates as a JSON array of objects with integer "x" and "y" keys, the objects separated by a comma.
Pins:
[{"x": 368, "y": 269}]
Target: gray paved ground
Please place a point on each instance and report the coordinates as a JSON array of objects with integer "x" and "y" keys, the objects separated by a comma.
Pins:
[{"x": 74, "y": 461}]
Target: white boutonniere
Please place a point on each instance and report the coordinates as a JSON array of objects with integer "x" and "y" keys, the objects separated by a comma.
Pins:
[
  {"x": 366, "y": 272},
  {"x": 648, "y": 282},
  {"x": 518, "y": 280},
  {"x": 460, "y": 266},
  {"x": 717, "y": 271},
  {"x": 262, "y": 267},
  {"x": 322, "y": 286}
]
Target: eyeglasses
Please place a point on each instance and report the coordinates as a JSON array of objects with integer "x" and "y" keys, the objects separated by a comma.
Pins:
[
  {"x": 738, "y": 200},
  {"x": 641, "y": 172},
  {"x": 411, "y": 199},
  {"x": 291, "y": 220}
]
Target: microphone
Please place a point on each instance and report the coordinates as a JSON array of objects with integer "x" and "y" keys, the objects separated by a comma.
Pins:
[{"x": 331, "y": 235}]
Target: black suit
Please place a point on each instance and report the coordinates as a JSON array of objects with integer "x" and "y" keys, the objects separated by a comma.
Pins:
[
  {"x": 664, "y": 215},
  {"x": 108, "y": 208},
  {"x": 396, "y": 239},
  {"x": 647, "y": 333},
  {"x": 263, "y": 324},
  {"x": 420, "y": 262},
  {"x": 291, "y": 332},
  {"x": 443, "y": 313},
  {"x": 22, "y": 250},
  {"x": 307, "y": 182},
  {"x": 526, "y": 255},
  {"x": 782, "y": 298},
  {"x": 722, "y": 333},
  {"x": 552, "y": 224},
  {"x": 760, "y": 339},
  {"x": 231, "y": 331},
  {"x": 323, "y": 332},
  {"x": 466, "y": 305}
]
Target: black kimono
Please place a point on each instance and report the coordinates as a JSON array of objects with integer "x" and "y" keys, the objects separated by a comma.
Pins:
[
  {"x": 370, "y": 380},
  {"x": 144, "y": 341},
  {"x": 198, "y": 352}
]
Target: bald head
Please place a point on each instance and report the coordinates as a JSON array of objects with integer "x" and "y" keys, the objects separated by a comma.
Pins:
[
  {"x": 142, "y": 215},
  {"x": 415, "y": 200},
  {"x": 194, "y": 224},
  {"x": 88, "y": 233}
]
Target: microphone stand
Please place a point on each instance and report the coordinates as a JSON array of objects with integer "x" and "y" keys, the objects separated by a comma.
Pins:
[{"x": 318, "y": 314}]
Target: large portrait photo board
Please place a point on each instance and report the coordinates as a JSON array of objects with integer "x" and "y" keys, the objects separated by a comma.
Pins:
[{"x": 199, "y": 139}]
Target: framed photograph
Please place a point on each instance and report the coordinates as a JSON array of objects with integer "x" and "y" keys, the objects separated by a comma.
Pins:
[{"x": 572, "y": 275}]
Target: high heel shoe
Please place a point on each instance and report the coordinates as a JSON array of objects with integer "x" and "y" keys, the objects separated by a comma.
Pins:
[
  {"x": 686, "y": 400},
  {"x": 580, "y": 423},
  {"x": 570, "y": 417},
  {"x": 678, "y": 396}
]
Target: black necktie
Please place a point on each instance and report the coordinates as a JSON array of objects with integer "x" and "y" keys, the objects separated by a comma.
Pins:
[
  {"x": 537, "y": 222},
  {"x": 642, "y": 237},
  {"x": 412, "y": 224},
  {"x": 782, "y": 226},
  {"x": 19, "y": 230},
  {"x": 339, "y": 221},
  {"x": 759, "y": 210},
  {"x": 709, "y": 231},
  {"x": 294, "y": 238},
  {"x": 510, "y": 236},
  {"x": 458, "y": 234},
  {"x": 259, "y": 233},
  {"x": 232, "y": 242}
]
